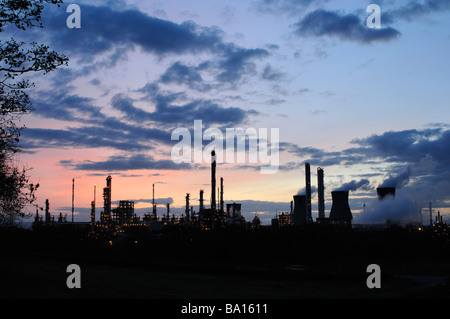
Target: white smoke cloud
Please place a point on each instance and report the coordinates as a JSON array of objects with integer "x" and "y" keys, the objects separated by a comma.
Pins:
[
  {"x": 354, "y": 185},
  {"x": 399, "y": 209},
  {"x": 302, "y": 191},
  {"x": 399, "y": 180}
]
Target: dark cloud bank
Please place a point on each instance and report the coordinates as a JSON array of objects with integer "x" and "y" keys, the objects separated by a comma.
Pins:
[{"x": 316, "y": 21}]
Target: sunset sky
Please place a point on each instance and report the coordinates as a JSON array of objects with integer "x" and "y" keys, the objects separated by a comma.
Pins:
[{"x": 364, "y": 104}]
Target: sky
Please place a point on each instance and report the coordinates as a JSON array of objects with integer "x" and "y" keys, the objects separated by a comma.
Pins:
[{"x": 368, "y": 105}]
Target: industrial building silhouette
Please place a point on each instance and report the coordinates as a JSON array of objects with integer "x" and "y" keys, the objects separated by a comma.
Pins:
[
  {"x": 124, "y": 216},
  {"x": 300, "y": 214},
  {"x": 218, "y": 214}
]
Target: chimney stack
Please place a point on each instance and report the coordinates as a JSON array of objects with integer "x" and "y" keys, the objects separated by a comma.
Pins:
[
  {"x": 221, "y": 195},
  {"x": 308, "y": 192},
  {"x": 73, "y": 196},
  {"x": 321, "y": 192},
  {"x": 47, "y": 213},
  {"x": 213, "y": 181},
  {"x": 187, "y": 210}
]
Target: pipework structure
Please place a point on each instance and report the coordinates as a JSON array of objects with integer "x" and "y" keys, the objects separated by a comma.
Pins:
[{"x": 105, "y": 217}]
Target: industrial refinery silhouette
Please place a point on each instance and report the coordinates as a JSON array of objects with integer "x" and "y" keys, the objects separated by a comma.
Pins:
[
  {"x": 219, "y": 215},
  {"x": 123, "y": 216}
]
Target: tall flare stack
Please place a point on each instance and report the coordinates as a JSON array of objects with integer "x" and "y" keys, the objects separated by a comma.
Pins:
[
  {"x": 153, "y": 202},
  {"x": 187, "y": 208},
  {"x": 213, "y": 180},
  {"x": 73, "y": 196},
  {"x": 320, "y": 192},
  {"x": 47, "y": 212},
  {"x": 221, "y": 195},
  {"x": 308, "y": 192}
]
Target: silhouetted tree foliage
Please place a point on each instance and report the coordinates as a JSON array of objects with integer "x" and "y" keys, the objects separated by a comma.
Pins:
[{"x": 18, "y": 58}]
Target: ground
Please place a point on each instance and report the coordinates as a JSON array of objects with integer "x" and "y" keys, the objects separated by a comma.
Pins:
[{"x": 135, "y": 271}]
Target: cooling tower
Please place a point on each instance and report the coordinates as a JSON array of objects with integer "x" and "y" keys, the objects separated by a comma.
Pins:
[
  {"x": 299, "y": 217},
  {"x": 385, "y": 191},
  {"x": 340, "y": 210}
]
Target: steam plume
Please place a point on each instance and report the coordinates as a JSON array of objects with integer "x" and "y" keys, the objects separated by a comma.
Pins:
[
  {"x": 354, "y": 185},
  {"x": 398, "y": 181}
]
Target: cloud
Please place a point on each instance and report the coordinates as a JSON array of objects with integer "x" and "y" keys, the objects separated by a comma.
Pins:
[
  {"x": 409, "y": 145},
  {"x": 270, "y": 74},
  {"x": 344, "y": 26},
  {"x": 96, "y": 129},
  {"x": 302, "y": 191},
  {"x": 415, "y": 9},
  {"x": 125, "y": 163},
  {"x": 228, "y": 68},
  {"x": 322, "y": 22},
  {"x": 61, "y": 105},
  {"x": 84, "y": 137},
  {"x": 180, "y": 73},
  {"x": 322, "y": 157},
  {"x": 104, "y": 28},
  {"x": 398, "y": 209},
  {"x": 236, "y": 62},
  {"x": 109, "y": 34},
  {"x": 173, "y": 109},
  {"x": 285, "y": 6},
  {"x": 399, "y": 180}
]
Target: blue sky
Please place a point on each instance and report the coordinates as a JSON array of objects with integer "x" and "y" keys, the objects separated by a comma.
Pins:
[{"x": 362, "y": 103}]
